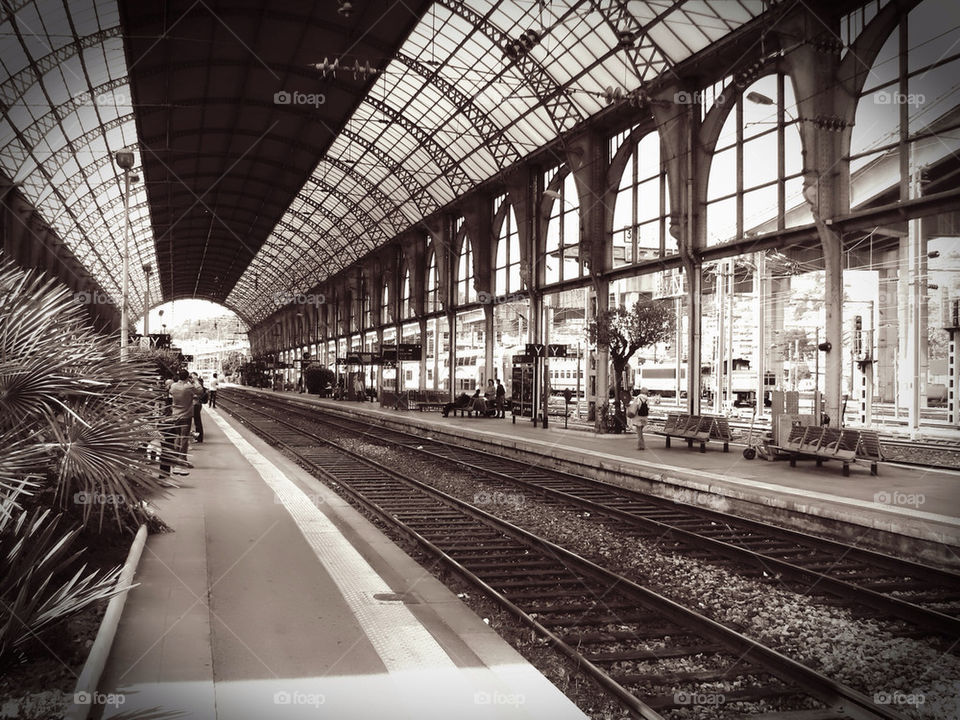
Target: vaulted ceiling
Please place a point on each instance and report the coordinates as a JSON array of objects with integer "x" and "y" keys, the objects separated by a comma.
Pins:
[{"x": 281, "y": 141}]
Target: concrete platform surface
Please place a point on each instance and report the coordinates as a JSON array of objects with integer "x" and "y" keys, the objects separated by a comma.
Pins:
[
  {"x": 274, "y": 599},
  {"x": 916, "y": 510}
]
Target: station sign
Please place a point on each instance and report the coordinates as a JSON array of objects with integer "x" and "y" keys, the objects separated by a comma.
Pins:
[
  {"x": 404, "y": 352},
  {"x": 409, "y": 352},
  {"x": 153, "y": 340},
  {"x": 548, "y": 350}
]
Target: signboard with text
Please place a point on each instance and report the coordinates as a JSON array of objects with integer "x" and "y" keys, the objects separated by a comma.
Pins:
[
  {"x": 409, "y": 352},
  {"x": 549, "y": 350}
]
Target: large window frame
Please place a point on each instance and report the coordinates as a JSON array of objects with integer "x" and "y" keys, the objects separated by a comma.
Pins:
[
  {"x": 507, "y": 278},
  {"x": 641, "y": 204},
  {"x": 563, "y": 235},
  {"x": 466, "y": 292}
]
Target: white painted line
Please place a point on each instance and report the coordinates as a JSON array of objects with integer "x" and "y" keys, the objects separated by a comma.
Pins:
[
  {"x": 426, "y": 680},
  {"x": 355, "y": 578}
]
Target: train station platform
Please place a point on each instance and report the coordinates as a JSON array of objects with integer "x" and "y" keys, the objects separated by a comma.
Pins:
[
  {"x": 273, "y": 598},
  {"x": 905, "y": 510}
]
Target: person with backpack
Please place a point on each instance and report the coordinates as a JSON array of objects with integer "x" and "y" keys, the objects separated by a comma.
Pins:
[{"x": 638, "y": 411}]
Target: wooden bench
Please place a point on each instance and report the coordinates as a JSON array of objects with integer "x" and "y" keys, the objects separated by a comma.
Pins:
[
  {"x": 821, "y": 443},
  {"x": 696, "y": 429}
]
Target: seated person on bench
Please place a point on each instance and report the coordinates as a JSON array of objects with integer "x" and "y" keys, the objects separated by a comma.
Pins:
[
  {"x": 479, "y": 403},
  {"x": 461, "y": 403}
]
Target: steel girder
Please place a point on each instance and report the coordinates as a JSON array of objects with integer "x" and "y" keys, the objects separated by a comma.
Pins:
[
  {"x": 554, "y": 98},
  {"x": 494, "y": 138}
]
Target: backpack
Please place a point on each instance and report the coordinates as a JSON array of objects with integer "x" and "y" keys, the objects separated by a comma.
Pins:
[
  {"x": 204, "y": 396},
  {"x": 644, "y": 410}
]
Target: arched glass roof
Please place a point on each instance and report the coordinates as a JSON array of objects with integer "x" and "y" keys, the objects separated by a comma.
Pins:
[
  {"x": 66, "y": 110},
  {"x": 453, "y": 107},
  {"x": 472, "y": 89}
]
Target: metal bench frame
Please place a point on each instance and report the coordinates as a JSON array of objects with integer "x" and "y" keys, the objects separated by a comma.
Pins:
[
  {"x": 696, "y": 429},
  {"x": 826, "y": 443}
]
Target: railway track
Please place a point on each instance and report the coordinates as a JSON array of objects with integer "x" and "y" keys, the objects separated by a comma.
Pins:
[
  {"x": 918, "y": 598},
  {"x": 657, "y": 658}
]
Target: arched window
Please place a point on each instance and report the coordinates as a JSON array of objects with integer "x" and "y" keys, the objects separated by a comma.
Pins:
[
  {"x": 758, "y": 149},
  {"x": 466, "y": 293},
  {"x": 406, "y": 307},
  {"x": 507, "y": 278},
  {"x": 432, "y": 284},
  {"x": 562, "y": 258},
  {"x": 365, "y": 310},
  {"x": 924, "y": 88},
  {"x": 386, "y": 310},
  {"x": 641, "y": 207}
]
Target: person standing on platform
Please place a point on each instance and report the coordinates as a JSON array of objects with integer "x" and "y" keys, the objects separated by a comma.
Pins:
[
  {"x": 182, "y": 393},
  {"x": 637, "y": 412},
  {"x": 199, "y": 400},
  {"x": 212, "y": 390},
  {"x": 358, "y": 387},
  {"x": 490, "y": 395},
  {"x": 501, "y": 399}
]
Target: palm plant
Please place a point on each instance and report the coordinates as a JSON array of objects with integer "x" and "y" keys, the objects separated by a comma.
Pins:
[
  {"x": 74, "y": 420},
  {"x": 39, "y": 581}
]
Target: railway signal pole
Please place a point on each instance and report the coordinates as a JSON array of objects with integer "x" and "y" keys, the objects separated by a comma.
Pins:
[{"x": 951, "y": 322}]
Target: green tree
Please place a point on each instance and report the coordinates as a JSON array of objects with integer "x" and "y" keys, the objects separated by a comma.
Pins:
[{"x": 623, "y": 331}]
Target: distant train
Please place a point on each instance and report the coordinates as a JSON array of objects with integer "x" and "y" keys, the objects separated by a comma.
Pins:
[{"x": 662, "y": 380}]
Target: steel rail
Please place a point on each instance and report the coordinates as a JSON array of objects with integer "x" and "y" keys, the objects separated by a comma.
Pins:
[
  {"x": 931, "y": 620},
  {"x": 844, "y": 700}
]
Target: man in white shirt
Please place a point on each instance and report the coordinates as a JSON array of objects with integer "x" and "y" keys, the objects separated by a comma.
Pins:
[
  {"x": 182, "y": 393},
  {"x": 212, "y": 388}
]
